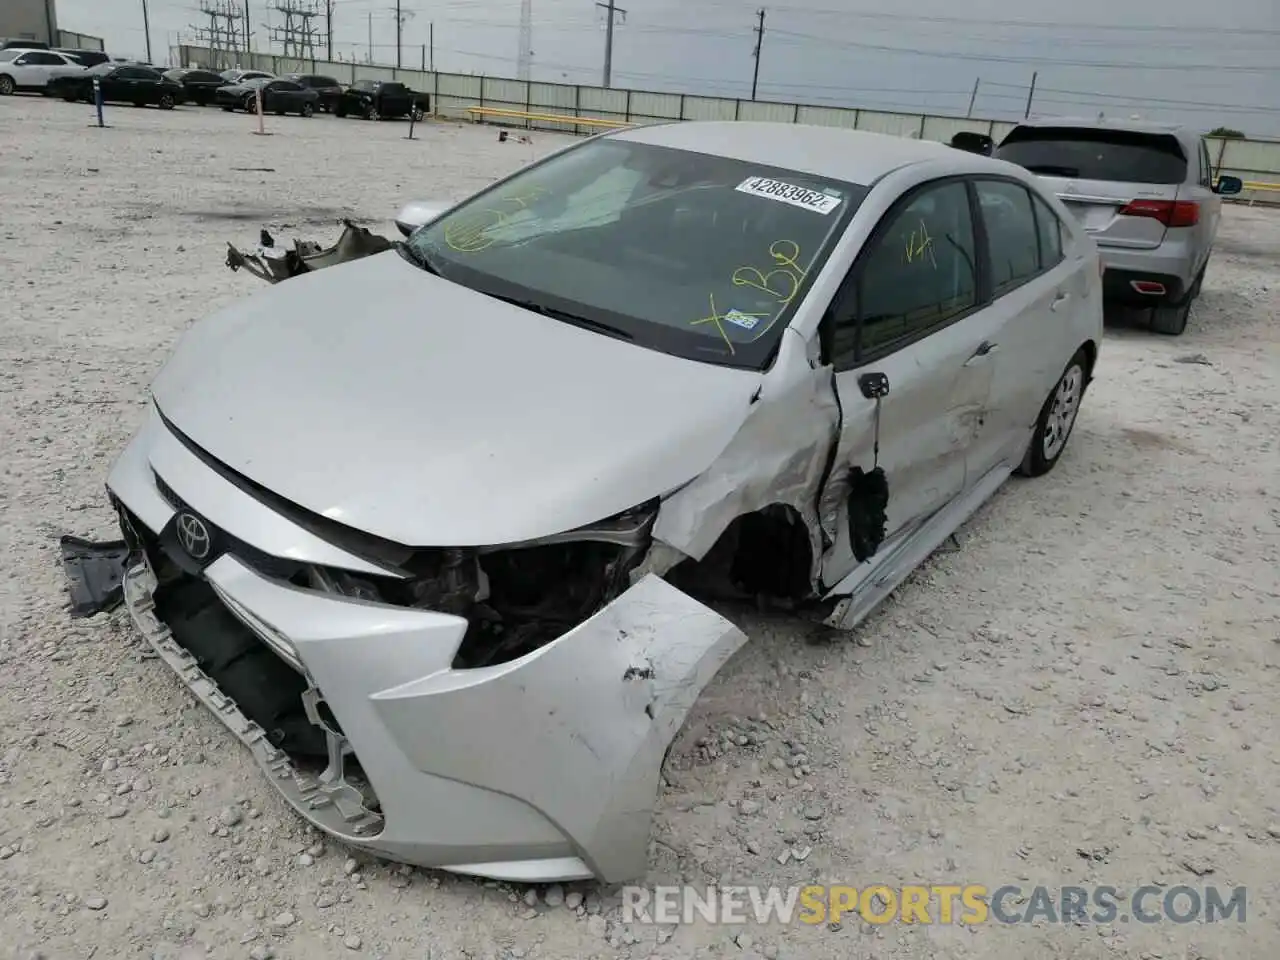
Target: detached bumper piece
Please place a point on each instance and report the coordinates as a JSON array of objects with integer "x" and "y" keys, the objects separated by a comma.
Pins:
[
  {"x": 273, "y": 265},
  {"x": 95, "y": 574}
]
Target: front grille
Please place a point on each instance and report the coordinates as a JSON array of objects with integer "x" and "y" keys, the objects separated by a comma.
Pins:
[{"x": 251, "y": 556}]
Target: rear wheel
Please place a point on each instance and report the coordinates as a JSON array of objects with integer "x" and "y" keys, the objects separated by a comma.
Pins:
[
  {"x": 166, "y": 101},
  {"x": 1171, "y": 319},
  {"x": 1057, "y": 418},
  {"x": 307, "y": 110},
  {"x": 371, "y": 113},
  {"x": 6, "y": 86}
]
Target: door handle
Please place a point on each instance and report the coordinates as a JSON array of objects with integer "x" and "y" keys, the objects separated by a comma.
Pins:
[
  {"x": 985, "y": 349},
  {"x": 1059, "y": 300}
]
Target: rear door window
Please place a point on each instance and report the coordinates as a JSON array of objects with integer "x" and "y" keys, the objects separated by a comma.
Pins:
[
  {"x": 1013, "y": 241},
  {"x": 1085, "y": 153},
  {"x": 1049, "y": 228}
]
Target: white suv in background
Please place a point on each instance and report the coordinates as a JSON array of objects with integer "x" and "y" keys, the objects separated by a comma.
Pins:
[
  {"x": 1144, "y": 192},
  {"x": 22, "y": 69}
]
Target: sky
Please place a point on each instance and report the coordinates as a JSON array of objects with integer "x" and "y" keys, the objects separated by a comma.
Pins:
[{"x": 1207, "y": 65}]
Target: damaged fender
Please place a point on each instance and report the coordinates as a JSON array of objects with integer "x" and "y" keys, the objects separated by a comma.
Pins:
[
  {"x": 273, "y": 265},
  {"x": 579, "y": 728},
  {"x": 778, "y": 457}
]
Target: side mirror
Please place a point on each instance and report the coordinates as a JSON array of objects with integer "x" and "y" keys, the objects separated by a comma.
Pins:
[
  {"x": 1228, "y": 186},
  {"x": 415, "y": 214}
]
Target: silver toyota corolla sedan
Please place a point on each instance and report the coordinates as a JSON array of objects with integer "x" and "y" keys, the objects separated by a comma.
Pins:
[{"x": 426, "y": 529}]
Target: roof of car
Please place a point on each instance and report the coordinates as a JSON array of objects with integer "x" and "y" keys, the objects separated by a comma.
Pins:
[
  {"x": 1107, "y": 123},
  {"x": 856, "y": 156}
]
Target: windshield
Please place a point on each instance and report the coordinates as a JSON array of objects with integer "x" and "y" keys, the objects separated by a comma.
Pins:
[
  {"x": 699, "y": 256},
  {"x": 1084, "y": 153}
]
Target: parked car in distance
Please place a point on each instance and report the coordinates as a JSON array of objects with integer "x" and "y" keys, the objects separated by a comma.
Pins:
[
  {"x": 90, "y": 58},
  {"x": 758, "y": 360},
  {"x": 20, "y": 44},
  {"x": 379, "y": 99},
  {"x": 32, "y": 70},
  {"x": 328, "y": 88},
  {"x": 237, "y": 75},
  {"x": 198, "y": 85},
  {"x": 120, "y": 83},
  {"x": 278, "y": 96},
  {"x": 1144, "y": 192}
]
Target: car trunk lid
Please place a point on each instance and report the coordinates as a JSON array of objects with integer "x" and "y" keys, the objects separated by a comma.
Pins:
[{"x": 1121, "y": 185}]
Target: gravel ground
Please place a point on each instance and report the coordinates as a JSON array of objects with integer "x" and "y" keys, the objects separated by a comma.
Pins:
[{"x": 1081, "y": 690}]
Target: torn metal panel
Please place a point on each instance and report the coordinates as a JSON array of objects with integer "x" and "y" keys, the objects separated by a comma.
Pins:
[
  {"x": 777, "y": 457},
  {"x": 95, "y": 574},
  {"x": 597, "y": 708},
  {"x": 273, "y": 265}
]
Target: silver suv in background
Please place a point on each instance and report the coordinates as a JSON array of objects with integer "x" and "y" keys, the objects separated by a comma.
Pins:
[{"x": 1144, "y": 192}]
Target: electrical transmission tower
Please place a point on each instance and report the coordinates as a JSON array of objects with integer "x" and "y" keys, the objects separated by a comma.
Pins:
[
  {"x": 297, "y": 36},
  {"x": 524, "y": 56},
  {"x": 222, "y": 34}
]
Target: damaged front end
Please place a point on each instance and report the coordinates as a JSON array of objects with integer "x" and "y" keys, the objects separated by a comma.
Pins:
[
  {"x": 497, "y": 711},
  {"x": 273, "y": 264}
]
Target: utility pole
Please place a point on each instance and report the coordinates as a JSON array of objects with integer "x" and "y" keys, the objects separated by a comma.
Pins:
[
  {"x": 399, "y": 24},
  {"x": 248, "y": 29},
  {"x": 755, "y": 74},
  {"x": 369, "y": 59},
  {"x": 146, "y": 29},
  {"x": 431, "y": 39},
  {"x": 1031, "y": 93},
  {"x": 611, "y": 9},
  {"x": 973, "y": 97},
  {"x": 524, "y": 55},
  {"x": 328, "y": 18}
]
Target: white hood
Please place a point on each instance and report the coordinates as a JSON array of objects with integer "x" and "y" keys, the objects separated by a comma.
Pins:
[{"x": 417, "y": 410}]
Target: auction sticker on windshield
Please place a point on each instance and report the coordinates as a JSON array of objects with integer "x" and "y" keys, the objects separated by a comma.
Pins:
[{"x": 771, "y": 189}]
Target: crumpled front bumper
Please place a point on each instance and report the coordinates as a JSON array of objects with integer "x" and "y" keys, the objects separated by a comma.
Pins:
[{"x": 541, "y": 769}]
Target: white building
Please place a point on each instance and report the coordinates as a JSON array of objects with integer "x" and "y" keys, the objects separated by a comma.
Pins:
[{"x": 29, "y": 20}]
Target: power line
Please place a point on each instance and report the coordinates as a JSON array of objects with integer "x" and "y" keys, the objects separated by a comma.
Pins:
[
  {"x": 1044, "y": 61},
  {"x": 297, "y": 37},
  {"x": 1055, "y": 25}
]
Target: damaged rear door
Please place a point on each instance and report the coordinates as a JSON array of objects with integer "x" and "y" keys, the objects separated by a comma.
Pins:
[{"x": 910, "y": 313}]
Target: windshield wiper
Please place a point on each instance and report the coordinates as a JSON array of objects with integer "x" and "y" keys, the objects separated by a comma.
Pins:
[
  {"x": 416, "y": 257},
  {"x": 577, "y": 320}
]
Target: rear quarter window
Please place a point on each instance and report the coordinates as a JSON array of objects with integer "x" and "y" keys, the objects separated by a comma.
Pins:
[{"x": 1095, "y": 154}]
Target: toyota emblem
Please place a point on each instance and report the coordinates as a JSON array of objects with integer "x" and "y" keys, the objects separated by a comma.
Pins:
[{"x": 194, "y": 536}]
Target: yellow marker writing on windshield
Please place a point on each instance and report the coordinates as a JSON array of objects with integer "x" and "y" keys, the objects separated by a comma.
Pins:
[
  {"x": 781, "y": 282},
  {"x": 471, "y": 234},
  {"x": 718, "y": 319}
]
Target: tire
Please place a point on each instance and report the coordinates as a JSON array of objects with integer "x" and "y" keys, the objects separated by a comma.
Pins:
[
  {"x": 70, "y": 97},
  {"x": 339, "y": 112},
  {"x": 307, "y": 110},
  {"x": 371, "y": 113},
  {"x": 165, "y": 102},
  {"x": 417, "y": 114},
  {"x": 1171, "y": 319},
  {"x": 7, "y": 86},
  {"x": 1057, "y": 418},
  {"x": 250, "y": 105}
]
